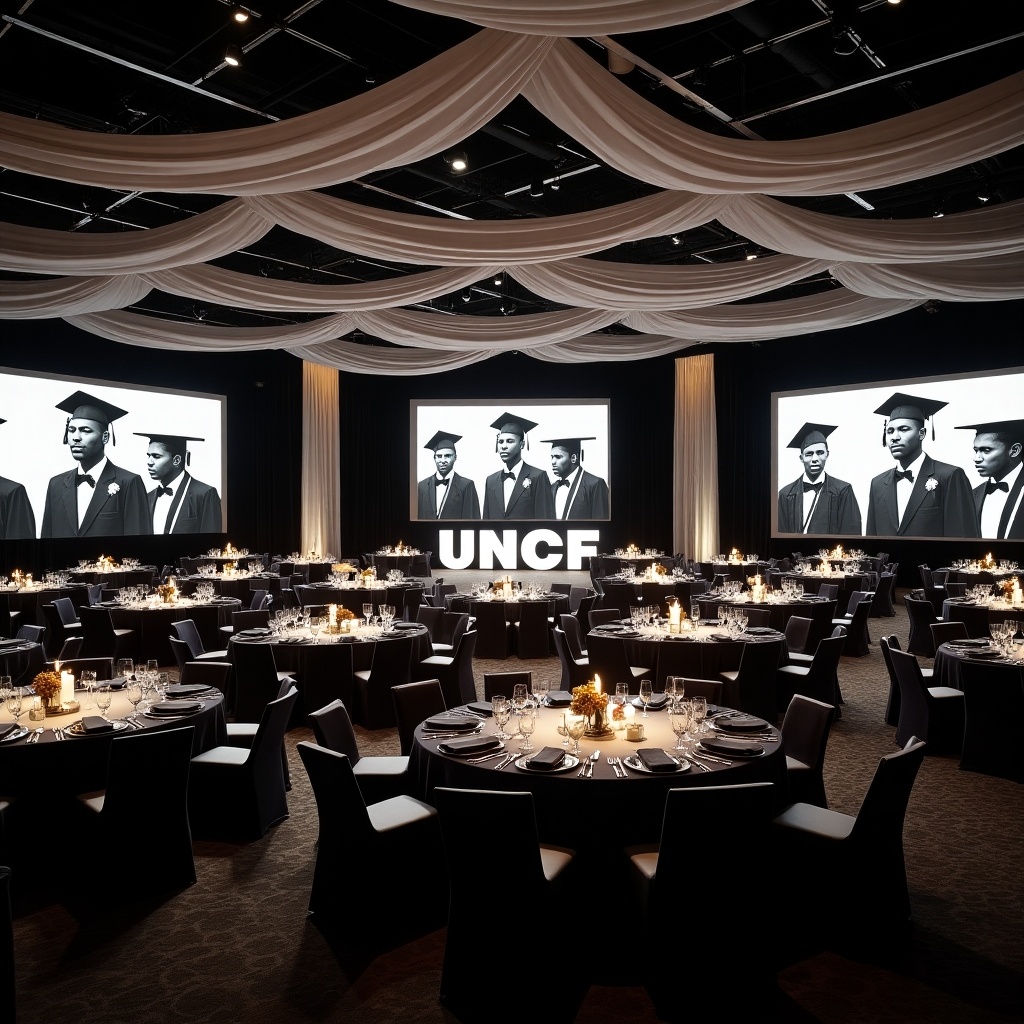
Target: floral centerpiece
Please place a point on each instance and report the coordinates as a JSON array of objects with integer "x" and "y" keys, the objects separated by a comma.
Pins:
[
  {"x": 589, "y": 701},
  {"x": 657, "y": 569},
  {"x": 168, "y": 591},
  {"x": 1007, "y": 586},
  {"x": 343, "y": 567},
  {"x": 367, "y": 576},
  {"x": 988, "y": 562},
  {"x": 47, "y": 685}
]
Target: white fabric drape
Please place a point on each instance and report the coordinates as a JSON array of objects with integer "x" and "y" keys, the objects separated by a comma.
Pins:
[
  {"x": 695, "y": 459},
  {"x": 321, "y": 459},
  {"x": 64, "y": 296},
  {"x": 994, "y": 278}
]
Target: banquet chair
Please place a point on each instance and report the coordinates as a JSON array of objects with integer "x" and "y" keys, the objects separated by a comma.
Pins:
[
  {"x": 57, "y": 629},
  {"x": 816, "y": 846},
  {"x": 855, "y": 621},
  {"x": 881, "y": 603},
  {"x": 36, "y": 634},
  {"x": 317, "y": 572},
  {"x": 100, "y": 638},
  {"x": 560, "y": 588},
  {"x": 926, "y": 576},
  {"x": 570, "y": 626},
  {"x": 576, "y": 595},
  {"x": 922, "y": 615},
  {"x": 936, "y": 596},
  {"x": 607, "y": 658},
  {"x": 504, "y": 682},
  {"x": 993, "y": 711},
  {"x": 751, "y": 687},
  {"x": 380, "y": 777},
  {"x": 127, "y": 823},
  {"x": 386, "y": 835},
  {"x": 582, "y": 613},
  {"x": 256, "y": 680},
  {"x": 956, "y": 589},
  {"x": 710, "y": 689},
  {"x": 411, "y": 601},
  {"x": 185, "y": 629},
  {"x": 391, "y": 666},
  {"x": 734, "y": 821},
  {"x": 943, "y": 632},
  {"x": 575, "y": 671},
  {"x": 442, "y": 592},
  {"x": 654, "y": 595},
  {"x": 939, "y": 577},
  {"x": 797, "y": 633},
  {"x": 532, "y": 632},
  {"x": 248, "y": 618},
  {"x": 103, "y": 667},
  {"x": 821, "y": 614},
  {"x": 94, "y": 593},
  {"x": 453, "y": 625},
  {"x": 602, "y": 617},
  {"x": 622, "y": 596},
  {"x": 757, "y": 618},
  {"x": 455, "y": 673},
  {"x": 259, "y": 599},
  {"x": 427, "y": 615},
  {"x": 805, "y": 731},
  {"x": 976, "y": 619},
  {"x": 492, "y": 628},
  {"x": 817, "y": 680},
  {"x": 892, "y": 704},
  {"x": 239, "y": 792},
  {"x": 72, "y": 648},
  {"x": 415, "y": 703},
  {"x": 8, "y": 989},
  {"x": 830, "y": 591},
  {"x": 206, "y": 673},
  {"x": 499, "y": 829},
  {"x": 933, "y": 713}
]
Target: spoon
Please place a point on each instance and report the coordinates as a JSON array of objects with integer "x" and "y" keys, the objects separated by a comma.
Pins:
[{"x": 594, "y": 757}]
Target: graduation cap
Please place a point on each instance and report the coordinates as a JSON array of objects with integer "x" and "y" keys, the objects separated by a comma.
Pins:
[
  {"x": 811, "y": 433},
  {"x": 3, "y": 421},
  {"x": 83, "y": 406},
  {"x": 899, "y": 406},
  {"x": 1015, "y": 428},
  {"x": 510, "y": 423},
  {"x": 442, "y": 439},
  {"x": 176, "y": 444},
  {"x": 570, "y": 444}
]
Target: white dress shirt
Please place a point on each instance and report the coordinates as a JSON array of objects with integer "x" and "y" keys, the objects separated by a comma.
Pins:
[
  {"x": 811, "y": 497},
  {"x": 85, "y": 492},
  {"x": 904, "y": 487},
  {"x": 508, "y": 483},
  {"x": 441, "y": 493},
  {"x": 994, "y": 503},
  {"x": 564, "y": 491},
  {"x": 163, "y": 504}
]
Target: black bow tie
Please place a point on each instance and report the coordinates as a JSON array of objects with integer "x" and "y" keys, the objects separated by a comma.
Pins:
[
  {"x": 164, "y": 490},
  {"x": 441, "y": 482},
  {"x": 813, "y": 487},
  {"x": 508, "y": 475},
  {"x": 562, "y": 483},
  {"x": 908, "y": 475},
  {"x": 84, "y": 478},
  {"x": 993, "y": 485}
]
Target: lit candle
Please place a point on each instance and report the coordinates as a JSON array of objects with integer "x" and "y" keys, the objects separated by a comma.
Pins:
[
  {"x": 333, "y": 613},
  {"x": 674, "y": 615},
  {"x": 597, "y": 683},
  {"x": 67, "y": 687}
]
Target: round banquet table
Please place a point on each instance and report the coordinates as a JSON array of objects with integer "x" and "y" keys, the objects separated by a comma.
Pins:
[
  {"x": 732, "y": 570},
  {"x": 114, "y": 579},
  {"x": 974, "y": 577},
  {"x": 23, "y": 607},
  {"x": 49, "y": 768},
  {"x": 324, "y": 670},
  {"x": 847, "y": 582},
  {"x": 598, "y": 816},
  {"x": 557, "y": 604},
  {"x": 683, "y": 589},
  {"x": 779, "y": 613},
  {"x": 954, "y": 610},
  {"x": 21, "y": 660},
  {"x": 152, "y": 624},
  {"x": 240, "y": 586},
  {"x": 353, "y": 598}
]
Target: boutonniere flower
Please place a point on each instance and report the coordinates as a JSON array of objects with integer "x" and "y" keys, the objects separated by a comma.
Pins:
[
  {"x": 526, "y": 484},
  {"x": 113, "y": 488},
  {"x": 931, "y": 483}
]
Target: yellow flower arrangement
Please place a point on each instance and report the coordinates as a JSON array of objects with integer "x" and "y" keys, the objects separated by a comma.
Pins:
[
  {"x": 368, "y": 574},
  {"x": 1007, "y": 587},
  {"x": 658, "y": 569},
  {"x": 344, "y": 613},
  {"x": 988, "y": 562},
  {"x": 587, "y": 699},
  {"x": 343, "y": 567},
  {"x": 47, "y": 685}
]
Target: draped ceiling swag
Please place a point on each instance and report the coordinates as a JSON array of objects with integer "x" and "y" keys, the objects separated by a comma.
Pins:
[{"x": 816, "y": 270}]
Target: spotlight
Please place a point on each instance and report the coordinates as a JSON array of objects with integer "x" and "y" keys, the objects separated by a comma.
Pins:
[
  {"x": 983, "y": 197},
  {"x": 555, "y": 184},
  {"x": 536, "y": 189},
  {"x": 751, "y": 255},
  {"x": 507, "y": 308},
  {"x": 699, "y": 77},
  {"x": 457, "y": 161},
  {"x": 233, "y": 56},
  {"x": 938, "y": 213},
  {"x": 466, "y": 295},
  {"x": 497, "y": 280},
  {"x": 370, "y": 78},
  {"x": 240, "y": 14},
  {"x": 843, "y": 43},
  {"x": 676, "y": 239}
]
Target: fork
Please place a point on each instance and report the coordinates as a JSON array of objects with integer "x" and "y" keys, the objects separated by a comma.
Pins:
[{"x": 615, "y": 767}]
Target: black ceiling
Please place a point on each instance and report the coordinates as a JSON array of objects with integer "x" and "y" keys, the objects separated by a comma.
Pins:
[{"x": 773, "y": 69}]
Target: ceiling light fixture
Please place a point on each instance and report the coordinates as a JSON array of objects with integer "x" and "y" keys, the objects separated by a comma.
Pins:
[
  {"x": 751, "y": 255},
  {"x": 240, "y": 14},
  {"x": 983, "y": 197},
  {"x": 676, "y": 239},
  {"x": 536, "y": 189},
  {"x": 555, "y": 184},
  {"x": 497, "y": 280},
  {"x": 370, "y": 78},
  {"x": 939, "y": 212},
  {"x": 843, "y": 43},
  {"x": 233, "y": 56},
  {"x": 466, "y": 295},
  {"x": 457, "y": 161}
]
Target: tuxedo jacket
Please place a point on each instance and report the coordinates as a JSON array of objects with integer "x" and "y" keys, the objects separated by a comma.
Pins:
[
  {"x": 836, "y": 512},
  {"x": 461, "y": 503},
  {"x": 530, "y": 499},
  {"x": 200, "y": 512},
  {"x": 588, "y": 497},
  {"x": 17, "y": 520},
  {"x": 117, "y": 514},
  {"x": 947, "y": 510},
  {"x": 1007, "y": 530}
]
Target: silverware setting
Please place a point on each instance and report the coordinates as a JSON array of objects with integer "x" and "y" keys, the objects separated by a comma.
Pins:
[
  {"x": 508, "y": 759},
  {"x": 615, "y": 768},
  {"x": 58, "y": 733},
  {"x": 710, "y": 757},
  {"x": 584, "y": 765},
  {"x": 594, "y": 758},
  {"x": 33, "y": 736},
  {"x": 487, "y": 757}
]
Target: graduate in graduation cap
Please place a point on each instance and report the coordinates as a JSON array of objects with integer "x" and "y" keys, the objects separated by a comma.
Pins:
[
  {"x": 920, "y": 497},
  {"x": 518, "y": 490},
  {"x": 444, "y": 494},
  {"x": 817, "y": 503},
  {"x": 577, "y": 494},
  {"x": 999, "y": 459},
  {"x": 97, "y": 498},
  {"x": 17, "y": 520},
  {"x": 179, "y": 503}
]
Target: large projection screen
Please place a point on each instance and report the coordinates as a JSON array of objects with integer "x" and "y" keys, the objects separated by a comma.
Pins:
[
  {"x": 33, "y": 455},
  {"x": 933, "y": 504},
  {"x": 478, "y": 464}
]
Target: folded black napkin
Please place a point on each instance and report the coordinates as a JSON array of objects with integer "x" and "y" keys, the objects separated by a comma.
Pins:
[
  {"x": 731, "y": 747},
  {"x": 656, "y": 703},
  {"x": 559, "y": 698},
  {"x": 969, "y": 643},
  {"x": 761, "y": 631},
  {"x": 546, "y": 759},
  {"x": 481, "y": 707},
  {"x": 451, "y": 723},
  {"x": 256, "y": 631},
  {"x": 93, "y": 723},
  {"x": 740, "y": 723},
  {"x": 720, "y": 637},
  {"x": 176, "y": 707},
  {"x": 654, "y": 759},
  {"x": 186, "y": 690},
  {"x": 114, "y": 684},
  {"x": 7, "y": 729},
  {"x": 405, "y": 625},
  {"x": 470, "y": 745}
]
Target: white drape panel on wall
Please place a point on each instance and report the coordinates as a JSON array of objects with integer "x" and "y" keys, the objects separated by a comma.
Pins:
[
  {"x": 695, "y": 470},
  {"x": 321, "y": 460}
]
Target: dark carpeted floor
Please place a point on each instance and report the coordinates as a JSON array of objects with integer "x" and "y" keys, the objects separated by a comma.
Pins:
[{"x": 237, "y": 945}]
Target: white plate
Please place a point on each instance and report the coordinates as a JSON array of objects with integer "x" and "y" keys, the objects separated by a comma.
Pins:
[
  {"x": 16, "y": 735},
  {"x": 569, "y": 762},
  {"x": 682, "y": 765},
  {"x": 75, "y": 728}
]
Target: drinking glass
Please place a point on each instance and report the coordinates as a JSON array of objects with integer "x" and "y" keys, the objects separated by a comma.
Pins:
[
  {"x": 368, "y": 612},
  {"x": 698, "y": 712},
  {"x": 500, "y": 712},
  {"x": 540, "y": 691},
  {"x": 153, "y": 667},
  {"x": 695, "y": 612},
  {"x": 134, "y": 694},
  {"x": 575, "y": 727},
  {"x": 5, "y": 687},
  {"x": 103, "y": 698},
  {"x": 679, "y": 719},
  {"x": 87, "y": 680},
  {"x": 162, "y": 679},
  {"x": 125, "y": 669},
  {"x": 314, "y": 626},
  {"x": 621, "y": 694},
  {"x": 563, "y": 731},
  {"x": 645, "y": 695},
  {"x": 527, "y": 723},
  {"x": 14, "y": 705},
  {"x": 519, "y": 697}
]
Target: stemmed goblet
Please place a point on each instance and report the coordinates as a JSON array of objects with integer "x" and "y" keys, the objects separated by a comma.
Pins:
[
  {"x": 368, "y": 612},
  {"x": 646, "y": 692},
  {"x": 679, "y": 719},
  {"x": 575, "y": 726},
  {"x": 500, "y": 712},
  {"x": 134, "y": 695},
  {"x": 104, "y": 696},
  {"x": 14, "y": 705},
  {"x": 125, "y": 668},
  {"x": 527, "y": 723}
]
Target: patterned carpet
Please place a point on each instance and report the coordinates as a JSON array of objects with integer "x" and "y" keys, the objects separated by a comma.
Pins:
[{"x": 237, "y": 946}]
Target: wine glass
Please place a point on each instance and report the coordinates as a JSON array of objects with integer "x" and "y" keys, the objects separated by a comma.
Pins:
[
  {"x": 125, "y": 669},
  {"x": 679, "y": 719},
  {"x": 5, "y": 687},
  {"x": 646, "y": 691},
  {"x": 621, "y": 694},
  {"x": 520, "y": 695},
  {"x": 527, "y": 723},
  {"x": 134, "y": 694},
  {"x": 368, "y": 612},
  {"x": 500, "y": 712},
  {"x": 315, "y": 623},
  {"x": 563, "y": 731},
  {"x": 575, "y": 727},
  {"x": 14, "y": 705},
  {"x": 104, "y": 696},
  {"x": 87, "y": 680},
  {"x": 698, "y": 712},
  {"x": 540, "y": 691}
]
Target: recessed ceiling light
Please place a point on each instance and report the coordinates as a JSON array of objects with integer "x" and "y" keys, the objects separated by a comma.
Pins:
[{"x": 233, "y": 56}]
